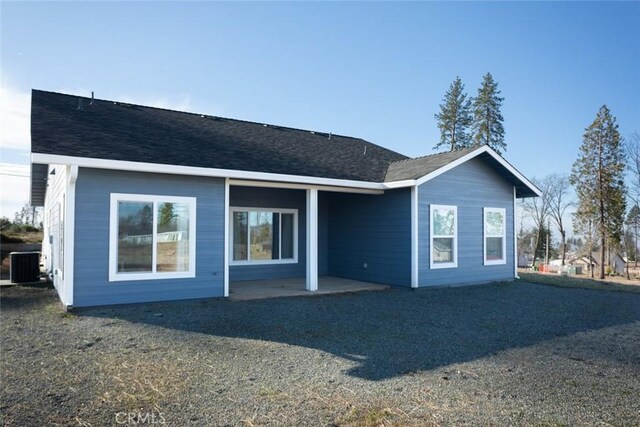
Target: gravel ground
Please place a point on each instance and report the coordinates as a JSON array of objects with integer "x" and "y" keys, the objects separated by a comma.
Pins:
[{"x": 503, "y": 354}]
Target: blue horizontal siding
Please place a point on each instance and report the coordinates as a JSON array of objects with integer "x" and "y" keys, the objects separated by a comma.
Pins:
[
  {"x": 91, "y": 258},
  {"x": 258, "y": 197},
  {"x": 323, "y": 233},
  {"x": 471, "y": 187},
  {"x": 371, "y": 229}
]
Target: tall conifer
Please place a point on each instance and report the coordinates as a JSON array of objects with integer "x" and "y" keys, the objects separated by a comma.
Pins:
[
  {"x": 487, "y": 118},
  {"x": 454, "y": 118},
  {"x": 598, "y": 178}
]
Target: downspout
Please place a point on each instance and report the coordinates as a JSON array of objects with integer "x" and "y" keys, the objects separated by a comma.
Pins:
[{"x": 69, "y": 235}]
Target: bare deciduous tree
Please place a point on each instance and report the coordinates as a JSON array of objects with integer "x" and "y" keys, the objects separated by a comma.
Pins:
[
  {"x": 558, "y": 195},
  {"x": 538, "y": 209},
  {"x": 632, "y": 150}
]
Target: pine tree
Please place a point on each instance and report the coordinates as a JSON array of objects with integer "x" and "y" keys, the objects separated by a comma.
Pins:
[
  {"x": 166, "y": 216},
  {"x": 454, "y": 118},
  {"x": 487, "y": 118},
  {"x": 598, "y": 178}
]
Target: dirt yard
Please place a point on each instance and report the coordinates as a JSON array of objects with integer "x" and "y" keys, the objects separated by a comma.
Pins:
[{"x": 502, "y": 354}]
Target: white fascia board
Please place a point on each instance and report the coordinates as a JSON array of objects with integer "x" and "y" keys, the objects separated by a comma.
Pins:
[
  {"x": 88, "y": 162},
  {"x": 475, "y": 153},
  {"x": 400, "y": 184},
  {"x": 296, "y": 186}
]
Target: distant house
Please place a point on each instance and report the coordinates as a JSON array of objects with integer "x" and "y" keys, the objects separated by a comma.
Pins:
[
  {"x": 146, "y": 204},
  {"x": 524, "y": 259},
  {"x": 586, "y": 262},
  {"x": 617, "y": 263}
]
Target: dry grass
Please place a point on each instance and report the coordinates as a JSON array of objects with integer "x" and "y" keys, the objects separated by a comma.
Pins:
[
  {"x": 21, "y": 237},
  {"x": 608, "y": 284},
  {"x": 146, "y": 384}
]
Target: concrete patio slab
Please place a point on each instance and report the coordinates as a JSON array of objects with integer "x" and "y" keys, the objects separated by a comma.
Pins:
[{"x": 260, "y": 289}]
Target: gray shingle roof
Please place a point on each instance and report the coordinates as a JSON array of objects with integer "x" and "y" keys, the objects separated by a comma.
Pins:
[
  {"x": 421, "y": 166},
  {"x": 118, "y": 131}
]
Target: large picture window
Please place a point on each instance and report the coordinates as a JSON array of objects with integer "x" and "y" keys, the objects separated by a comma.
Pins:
[
  {"x": 495, "y": 236},
  {"x": 152, "y": 237},
  {"x": 263, "y": 236},
  {"x": 444, "y": 236}
]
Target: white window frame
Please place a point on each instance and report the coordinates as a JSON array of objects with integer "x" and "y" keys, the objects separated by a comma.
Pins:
[
  {"x": 503, "y": 211},
  {"x": 281, "y": 211},
  {"x": 437, "y": 265},
  {"x": 114, "y": 275}
]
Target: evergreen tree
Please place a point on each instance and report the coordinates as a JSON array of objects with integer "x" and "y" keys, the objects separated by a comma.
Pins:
[
  {"x": 598, "y": 178},
  {"x": 487, "y": 118},
  {"x": 541, "y": 247},
  {"x": 454, "y": 118},
  {"x": 166, "y": 216}
]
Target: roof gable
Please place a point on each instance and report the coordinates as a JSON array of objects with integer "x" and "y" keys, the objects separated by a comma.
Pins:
[
  {"x": 423, "y": 169},
  {"x": 420, "y": 166}
]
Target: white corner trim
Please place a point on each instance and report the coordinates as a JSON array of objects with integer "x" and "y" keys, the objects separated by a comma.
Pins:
[
  {"x": 114, "y": 276},
  {"x": 485, "y": 235},
  {"x": 69, "y": 234},
  {"x": 475, "y": 153},
  {"x": 438, "y": 265},
  {"x": 414, "y": 238},
  {"x": 227, "y": 238},
  {"x": 312, "y": 240},
  {"x": 515, "y": 237},
  {"x": 200, "y": 171}
]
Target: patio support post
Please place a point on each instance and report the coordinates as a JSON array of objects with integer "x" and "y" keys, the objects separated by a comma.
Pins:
[
  {"x": 312, "y": 239},
  {"x": 414, "y": 236},
  {"x": 227, "y": 237}
]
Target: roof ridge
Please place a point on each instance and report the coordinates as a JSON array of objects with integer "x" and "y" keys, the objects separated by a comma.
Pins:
[{"x": 204, "y": 115}]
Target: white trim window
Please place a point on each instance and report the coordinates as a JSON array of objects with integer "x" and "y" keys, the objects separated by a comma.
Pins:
[
  {"x": 152, "y": 237},
  {"x": 443, "y": 232},
  {"x": 495, "y": 236},
  {"x": 263, "y": 236}
]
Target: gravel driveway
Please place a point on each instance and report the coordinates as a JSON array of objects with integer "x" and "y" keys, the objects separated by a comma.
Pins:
[{"x": 502, "y": 354}]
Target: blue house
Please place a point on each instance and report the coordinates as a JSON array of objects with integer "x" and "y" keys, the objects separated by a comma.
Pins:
[{"x": 145, "y": 204}]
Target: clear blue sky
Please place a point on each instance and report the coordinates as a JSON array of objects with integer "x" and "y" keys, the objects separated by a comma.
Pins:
[{"x": 373, "y": 70}]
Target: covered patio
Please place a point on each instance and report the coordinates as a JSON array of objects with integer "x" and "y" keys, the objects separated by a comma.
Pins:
[
  {"x": 287, "y": 239},
  {"x": 275, "y": 288}
]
